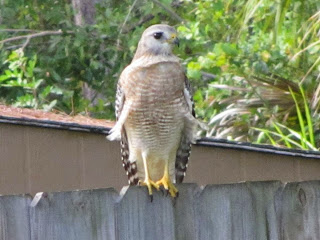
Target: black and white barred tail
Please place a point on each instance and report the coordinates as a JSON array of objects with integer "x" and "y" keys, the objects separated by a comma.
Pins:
[{"x": 129, "y": 167}]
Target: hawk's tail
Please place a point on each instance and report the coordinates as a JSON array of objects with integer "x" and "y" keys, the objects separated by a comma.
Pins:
[
  {"x": 129, "y": 167},
  {"x": 182, "y": 159}
]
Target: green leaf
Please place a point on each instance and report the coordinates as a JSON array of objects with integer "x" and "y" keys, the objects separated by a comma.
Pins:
[
  {"x": 273, "y": 141},
  {"x": 50, "y": 106},
  {"x": 197, "y": 96},
  {"x": 31, "y": 65},
  {"x": 45, "y": 92},
  {"x": 229, "y": 49},
  {"x": 301, "y": 121},
  {"x": 194, "y": 74},
  {"x": 283, "y": 136},
  {"x": 307, "y": 145},
  {"x": 4, "y": 77},
  {"x": 308, "y": 117}
]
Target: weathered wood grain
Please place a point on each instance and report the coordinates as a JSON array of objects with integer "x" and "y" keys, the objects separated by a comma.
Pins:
[
  {"x": 226, "y": 213},
  {"x": 238, "y": 211},
  {"x": 300, "y": 211},
  {"x": 14, "y": 217},
  {"x": 243, "y": 211},
  {"x": 76, "y": 215},
  {"x": 185, "y": 212},
  {"x": 139, "y": 218},
  {"x": 265, "y": 196}
]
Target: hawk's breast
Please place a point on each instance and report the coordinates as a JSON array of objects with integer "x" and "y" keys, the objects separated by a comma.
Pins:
[{"x": 157, "y": 105}]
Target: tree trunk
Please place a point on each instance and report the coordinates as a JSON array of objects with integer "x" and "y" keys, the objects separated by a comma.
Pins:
[
  {"x": 85, "y": 15},
  {"x": 84, "y": 11}
]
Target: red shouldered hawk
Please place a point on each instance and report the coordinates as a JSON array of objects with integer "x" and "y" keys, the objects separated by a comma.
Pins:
[{"x": 154, "y": 110}]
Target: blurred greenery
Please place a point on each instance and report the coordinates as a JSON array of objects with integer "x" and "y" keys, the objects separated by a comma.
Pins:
[{"x": 254, "y": 64}]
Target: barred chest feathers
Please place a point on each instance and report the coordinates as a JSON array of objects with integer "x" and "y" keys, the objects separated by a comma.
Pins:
[
  {"x": 156, "y": 117},
  {"x": 156, "y": 97}
]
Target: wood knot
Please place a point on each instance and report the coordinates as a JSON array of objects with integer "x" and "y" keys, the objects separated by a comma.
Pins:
[{"x": 302, "y": 197}]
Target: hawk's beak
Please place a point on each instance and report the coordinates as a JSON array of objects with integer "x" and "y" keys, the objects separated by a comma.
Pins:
[{"x": 174, "y": 39}]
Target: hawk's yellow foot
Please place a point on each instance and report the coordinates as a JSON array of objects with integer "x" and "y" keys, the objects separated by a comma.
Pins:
[
  {"x": 168, "y": 185},
  {"x": 149, "y": 183}
]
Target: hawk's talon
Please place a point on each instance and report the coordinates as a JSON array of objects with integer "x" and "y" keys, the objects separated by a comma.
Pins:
[
  {"x": 168, "y": 186},
  {"x": 149, "y": 183},
  {"x": 162, "y": 191},
  {"x": 177, "y": 194}
]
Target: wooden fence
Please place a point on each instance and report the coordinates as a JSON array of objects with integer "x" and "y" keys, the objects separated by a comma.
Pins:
[{"x": 248, "y": 211}]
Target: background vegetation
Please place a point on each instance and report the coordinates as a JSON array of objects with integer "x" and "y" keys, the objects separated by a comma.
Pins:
[{"x": 254, "y": 64}]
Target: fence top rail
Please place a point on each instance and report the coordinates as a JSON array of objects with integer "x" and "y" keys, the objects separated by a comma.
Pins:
[{"x": 127, "y": 191}]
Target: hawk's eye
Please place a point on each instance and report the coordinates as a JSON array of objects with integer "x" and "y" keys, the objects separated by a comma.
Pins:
[{"x": 157, "y": 35}]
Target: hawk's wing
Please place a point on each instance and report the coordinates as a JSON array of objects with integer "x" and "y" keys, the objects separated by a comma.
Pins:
[
  {"x": 130, "y": 168},
  {"x": 184, "y": 149}
]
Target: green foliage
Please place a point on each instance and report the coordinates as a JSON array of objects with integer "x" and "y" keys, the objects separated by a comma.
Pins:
[
  {"x": 304, "y": 138},
  {"x": 255, "y": 51},
  {"x": 90, "y": 55},
  {"x": 248, "y": 61},
  {"x": 21, "y": 87}
]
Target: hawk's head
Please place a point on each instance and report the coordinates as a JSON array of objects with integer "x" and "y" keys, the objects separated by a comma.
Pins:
[{"x": 157, "y": 40}]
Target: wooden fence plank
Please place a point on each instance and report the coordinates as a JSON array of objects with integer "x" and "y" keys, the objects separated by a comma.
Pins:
[
  {"x": 14, "y": 217},
  {"x": 185, "y": 212},
  {"x": 266, "y": 197},
  {"x": 300, "y": 218},
  {"x": 139, "y": 218},
  {"x": 244, "y": 211},
  {"x": 77, "y": 215},
  {"x": 238, "y": 211},
  {"x": 225, "y": 213}
]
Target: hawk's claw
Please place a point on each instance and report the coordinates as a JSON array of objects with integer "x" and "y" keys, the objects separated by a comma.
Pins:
[
  {"x": 149, "y": 183},
  {"x": 162, "y": 191},
  {"x": 168, "y": 186}
]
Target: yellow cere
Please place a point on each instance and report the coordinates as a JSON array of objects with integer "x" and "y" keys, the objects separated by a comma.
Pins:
[{"x": 173, "y": 35}]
